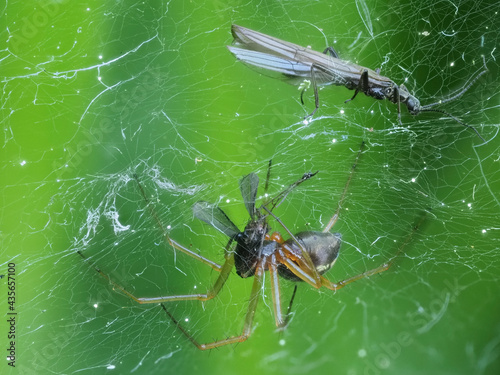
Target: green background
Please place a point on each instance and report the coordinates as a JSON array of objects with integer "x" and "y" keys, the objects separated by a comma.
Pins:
[{"x": 93, "y": 92}]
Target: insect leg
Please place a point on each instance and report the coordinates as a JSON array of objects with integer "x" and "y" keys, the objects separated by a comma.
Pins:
[
  {"x": 330, "y": 51},
  {"x": 316, "y": 95},
  {"x": 396, "y": 95},
  {"x": 362, "y": 85}
]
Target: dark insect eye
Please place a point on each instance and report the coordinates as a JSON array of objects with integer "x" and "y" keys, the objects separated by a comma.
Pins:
[{"x": 388, "y": 91}]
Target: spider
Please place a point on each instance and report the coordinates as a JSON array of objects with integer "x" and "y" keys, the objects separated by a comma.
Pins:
[{"x": 305, "y": 256}]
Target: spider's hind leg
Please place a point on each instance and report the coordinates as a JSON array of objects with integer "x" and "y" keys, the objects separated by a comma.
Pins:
[
  {"x": 384, "y": 267},
  {"x": 247, "y": 326}
]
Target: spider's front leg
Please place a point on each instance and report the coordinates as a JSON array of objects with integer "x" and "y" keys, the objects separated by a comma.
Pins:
[
  {"x": 335, "y": 216},
  {"x": 171, "y": 241},
  {"x": 225, "y": 271}
]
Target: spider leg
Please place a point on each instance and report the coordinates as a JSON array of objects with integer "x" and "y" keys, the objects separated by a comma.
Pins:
[
  {"x": 275, "y": 291},
  {"x": 225, "y": 271},
  {"x": 340, "y": 284},
  {"x": 247, "y": 326},
  {"x": 172, "y": 242},
  {"x": 306, "y": 259},
  {"x": 334, "y": 218},
  {"x": 384, "y": 267},
  {"x": 299, "y": 267},
  {"x": 302, "y": 270},
  {"x": 192, "y": 254},
  {"x": 289, "y": 309},
  {"x": 281, "y": 322}
]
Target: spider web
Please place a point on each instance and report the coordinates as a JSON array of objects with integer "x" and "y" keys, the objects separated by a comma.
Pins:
[{"x": 93, "y": 93}]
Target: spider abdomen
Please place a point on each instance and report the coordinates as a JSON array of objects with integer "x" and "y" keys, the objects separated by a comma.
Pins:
[{"x": 323, "y": 249}]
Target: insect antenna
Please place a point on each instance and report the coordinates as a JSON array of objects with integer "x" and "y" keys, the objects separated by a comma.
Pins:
[
  {"x": 454, "y": 118},
  {"x": 428, "y": 107},
  {"x": 461, "y": 92},
  {"x": 277, "y": 200},
  {"x": 268, "y": 176}
]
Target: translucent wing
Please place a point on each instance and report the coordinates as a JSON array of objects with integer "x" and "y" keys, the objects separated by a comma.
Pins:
[
  {"x": 293, "y": 61},
  {"x": 214, "y": 216},
  {"x": 248, "y": 187},
  {"x": 269, "y": 62}
]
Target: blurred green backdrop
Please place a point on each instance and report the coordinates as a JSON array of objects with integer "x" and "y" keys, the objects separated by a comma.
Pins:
[{"x": 93, "y": 92}]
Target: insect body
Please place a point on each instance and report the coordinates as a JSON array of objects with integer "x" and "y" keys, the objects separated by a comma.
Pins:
[
  {"x": 256, "y": 245},
  {"x": 296, "y": 64}
]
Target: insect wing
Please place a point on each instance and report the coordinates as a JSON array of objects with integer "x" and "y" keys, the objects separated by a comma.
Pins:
[
  {"x": 248, "y": 187},
  {"x": 215, "y": 217},
  {"x": 253, "y": 40},
  {"x": 270, "y": 62},
  {"x": 292, "y": 60}
]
